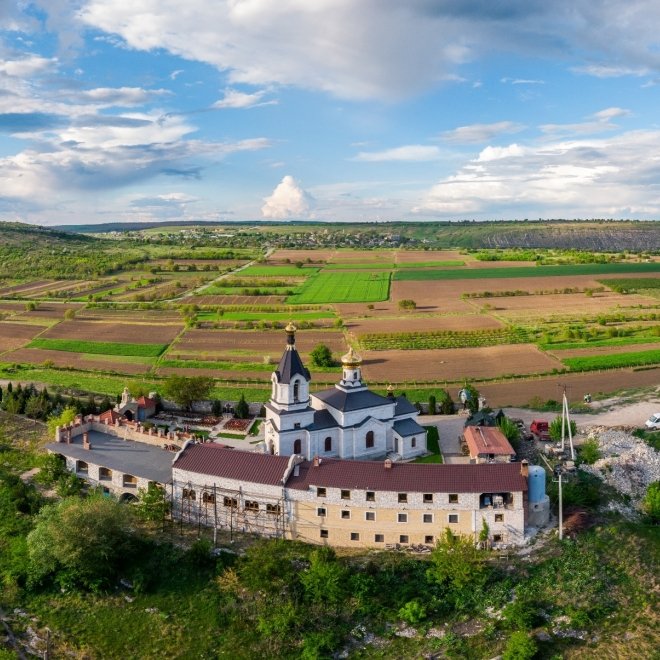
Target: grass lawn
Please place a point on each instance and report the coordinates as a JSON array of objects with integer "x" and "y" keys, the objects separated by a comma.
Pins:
[
  {"x": 615, "y": 341},
  {"x": 524, "y": 271},
  {"x": 98, "y": 347},
  {"x": 277, "y": 271},
  {"x": 341, "y": 287},
  {"x": 433, "y": 445}
]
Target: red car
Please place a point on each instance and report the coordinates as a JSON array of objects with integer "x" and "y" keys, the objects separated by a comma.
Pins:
[{"x": 539, "y": 428}]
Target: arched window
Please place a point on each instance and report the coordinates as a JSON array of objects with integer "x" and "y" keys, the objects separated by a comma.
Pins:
[
  {"x": 369, "y": 440},
  {"x": 296, "y": 390},
  {"x": 297, "y": 446},
  {"x": 328, "y": 444},
  {"x": 413, "y": 442}
]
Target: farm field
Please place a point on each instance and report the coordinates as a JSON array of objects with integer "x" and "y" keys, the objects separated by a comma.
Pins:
[
  {"x": 78, "y": 360},
  {"x": 613, "y": 361},
  {"x": 419, "y": 323},
  {"x": 250, "y": 345},
  {"x": 115, "y": 332},
  {"x": 343, "y": 287},
  {"x": 589, "y": 351},
  {"x": 13, "y": 335},
  {"x": 455, "y": 364},
  {"x": 532, "y": 271},
  {"x": 205, "y": 300},
  {"x": 97, "y": 347},
  {"x": 277, "y": 271}
]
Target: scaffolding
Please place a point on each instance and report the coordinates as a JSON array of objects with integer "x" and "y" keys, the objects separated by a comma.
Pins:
[{"x": 230, "y": 510}]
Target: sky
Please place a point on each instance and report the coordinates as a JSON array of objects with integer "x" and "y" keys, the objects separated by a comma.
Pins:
[{"x": 331, "y": 110}]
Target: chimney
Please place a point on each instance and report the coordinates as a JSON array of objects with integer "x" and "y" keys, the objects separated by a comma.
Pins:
[
  {"x": 524, "y": 468},
  {"x": 388, "y": 464},
  {"x": 86, "y": 443},
  {"x": 316, "y": 462}
]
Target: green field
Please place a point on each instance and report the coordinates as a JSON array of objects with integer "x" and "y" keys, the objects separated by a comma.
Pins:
[
  {"x": 241, "y": 290},
  {"x": 615, "y": 341},
  {"x": 616, "y": 361},
  {"x": 632, "y": 284},
  {"x": 341, "y": 287},
  {"x": 368, "y": 266},
  {"x": 98, "y": 347},
  {"x": 432, "y": 264},
  {"x": 524, "y": 271},
  {"x": 276, "y": 271},
  {"x": 443, "y": 339}
]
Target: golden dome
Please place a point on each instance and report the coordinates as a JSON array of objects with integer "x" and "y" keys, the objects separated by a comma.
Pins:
[
  {"x": 290, "y": 328},
  {"x": 351, "y": 359}
]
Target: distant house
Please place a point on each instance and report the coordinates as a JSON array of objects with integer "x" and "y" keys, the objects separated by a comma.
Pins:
[{"x": 487, "y": 444}]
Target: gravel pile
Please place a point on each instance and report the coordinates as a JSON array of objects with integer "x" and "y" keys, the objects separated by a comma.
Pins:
[{"x": 627, "y": 463}]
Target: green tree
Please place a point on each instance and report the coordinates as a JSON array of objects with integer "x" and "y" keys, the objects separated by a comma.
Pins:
[
  {"x": 30, "y": 306},
  {"x": 445, "y": 403},
  {"x": 651, "y": 502},
  {"x": 510, "y": 431},
  {"x": 80, "y": 542},
  {"x": 64, "y": 418},
  {"x": 185, "y": 391},
  {"x": 70, "y": 314},
  {"x": 472, "y": 393},
  {"x": 322, "y": 356},
  {"x": 407, "y": 304},
  {"x": 152, "y": 504},
  {"x": 589, "y": 452},
  {"x": 457, "y": 563},
  {"x": 520, "y": 646},
  {"x": 242, "y": 409},
  {"x": 324, "y": 581},
  {"x": 432, "y": 404},
  {"x": 555, "y": 429}
]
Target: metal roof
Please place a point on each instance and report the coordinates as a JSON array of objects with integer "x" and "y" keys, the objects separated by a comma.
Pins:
[
  {"x": 484, "y": 440},
  {"x": 403, "y": 406},
  {"x": 290, "y": 365},
  {"x": 408, "y": 427},
  {"x": 322, "y": 420},
  {"x": 347, "y": 401},
  {"x": 136, "y": 458}
]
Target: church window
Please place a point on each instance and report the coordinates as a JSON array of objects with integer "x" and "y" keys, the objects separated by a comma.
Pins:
[
  {"x": 369, "y": 440},
  {"x": 345, "y": 494},
  {"x": 188, "y": 494},
  {"x": 413, "y": 442},
  {"x": 320, "y": 492},
  {"x": 251, "y": 505},
  {"x": 297, "y": 445},
  {"x": 230, "y": 502},
  {"x": 296, "y": 425},
  {"x": 403, "y": 498},
  {"x": 328, "y": 444},
  {"x": 208, "y": 498},
  {"x": 371, "y": 496},
  {"x": 273, "y": 508},
  {"x": 345, "y": 514},
  {"x": 428, "y": 498},
  {"x": 296, "y": 391}
]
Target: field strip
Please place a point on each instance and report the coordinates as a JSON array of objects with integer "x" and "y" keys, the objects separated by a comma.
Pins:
[{"x": 99, "y": 348}]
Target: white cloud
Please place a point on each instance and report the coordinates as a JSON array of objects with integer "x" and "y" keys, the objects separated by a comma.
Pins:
[
  {"x": 120, "y": 96},
  {"x": 498, "y": 153},
  {"x": 235, "y": 99},
  {"x": 475, "y": 133},
  {"x": 522, "y": 81},
  {"x": 599, "y": 122},
  {"x": 288, "y": 200},
  {"x": 609, "y": 177},
  {"x": 610, "y": 70},
  {"x": 408, "y": 153},
  {"x": 27, "y": 66}
]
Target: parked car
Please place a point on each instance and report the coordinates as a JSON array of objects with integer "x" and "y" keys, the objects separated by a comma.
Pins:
[
  {"x": 522, "y": 429},
  {"x": 653, "y": 422},
  {"x": 540, "y": 429}
]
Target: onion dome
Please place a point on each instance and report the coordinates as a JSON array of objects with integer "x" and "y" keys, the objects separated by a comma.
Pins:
[{"x": 351, "y": 359}]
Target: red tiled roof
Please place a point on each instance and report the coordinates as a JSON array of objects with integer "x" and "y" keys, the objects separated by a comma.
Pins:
[
  {"x": 227, "y": 463},
  {"x": 110, "y": 415},
  {"x": 483, "y": 440},
  {"x": 215, "y": 461},
  {"x": 410, "y": 477},
  {"x": 146, "y": 402}
]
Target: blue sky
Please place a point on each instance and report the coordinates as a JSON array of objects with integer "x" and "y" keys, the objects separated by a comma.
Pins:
[{"x": 337, "y": 110}]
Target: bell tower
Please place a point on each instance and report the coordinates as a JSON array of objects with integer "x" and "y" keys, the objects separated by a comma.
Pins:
[{"x": 351, "y": 364}]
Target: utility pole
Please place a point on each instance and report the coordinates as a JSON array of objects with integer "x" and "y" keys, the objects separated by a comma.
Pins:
[{"x": 557, "y": 473}]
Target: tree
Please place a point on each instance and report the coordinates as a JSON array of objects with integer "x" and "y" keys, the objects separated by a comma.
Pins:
[
  {"x": 555, "y": 429},
  {"x": 322, "y": 356},
  {"x": 216, "y": 407},
  {"x": 30, "y": 306},
  {"x": 152, "y": 503},
  {"x": 324, "y": 581},
  {"x": 407, "y": 304},
  {"x": 651, "y": 502},
  {"x": 80, "y": 543},
  {"x": 457, "y": 563},
  {"x": 242, "y": 409},
  {"x": 64, "y": 418},
  {"x": 446, "y": 404},
  {"x": 185, "y": 391},
  {"x": 432, "y": 405},
  {"x": 510, "y": 431},
  {"x": 70, "y": 314},
  {"x": 588, "y": 452}
]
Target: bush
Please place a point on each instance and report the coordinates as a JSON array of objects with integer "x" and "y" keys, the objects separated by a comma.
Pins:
[
  {"x": 520, "y": 647},
  {"x": 445, "y": 403},
  {"x": 651, "y": 502},
  {"x": 413, "y": 612},
  {"x": 589, "y": 453},
  {"x": 322, "y": 356},
  {"x": 555, "y": 429}
]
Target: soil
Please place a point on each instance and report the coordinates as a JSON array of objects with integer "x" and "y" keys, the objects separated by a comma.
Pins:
[
  {"x": 419, "y": 323},
  {"x": 38, "y": 356},
  {"x": 604, "y": 350},
  {"x": 13, "y": 335},
  {"x": 455, "y": 364},
  {"x": 131, "y": 333}
]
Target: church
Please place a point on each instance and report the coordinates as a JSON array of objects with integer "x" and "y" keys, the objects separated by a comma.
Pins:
[{"x": 347, "y": 421}]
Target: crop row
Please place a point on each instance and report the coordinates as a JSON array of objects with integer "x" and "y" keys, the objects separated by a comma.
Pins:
[
  {"x": 444, "y": 339},
  {"x": 524, "y": 271},
  {"x": 98, "y": 347},
  {"x": 630, "y": 284},
  {"x": 278, "y": 271},
  {"x": 615, "y": 361}
]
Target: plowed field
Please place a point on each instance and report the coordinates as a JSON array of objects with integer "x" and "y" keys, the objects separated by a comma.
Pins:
[
  {"x": 13, "y": 335},
  {"x": 456, "y": 364},
  {"x": 114, "y": 332},
  {"x": 423, "y": 324},
  {"x": 75, "y": 361}
]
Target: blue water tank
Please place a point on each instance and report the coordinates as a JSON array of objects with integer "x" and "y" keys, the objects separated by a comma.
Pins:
[{"x": 536, "y": 484}]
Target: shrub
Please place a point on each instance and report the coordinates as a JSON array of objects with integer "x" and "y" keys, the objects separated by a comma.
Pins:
[
  {"x": 413, "y": 612},
  {"x": 322, "y": 356},
  {"x": 407, "y": 303},
  {"x": 432, "y": 405},
  {"x": 555, "y": 429},
  {"x": 520, "y": 647},
  {"x": 651, "y": 502},
  {"x": 589, "y": 453}
]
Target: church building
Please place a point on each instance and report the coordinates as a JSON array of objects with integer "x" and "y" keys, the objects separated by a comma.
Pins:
[{"x": 346, "y": 421}]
